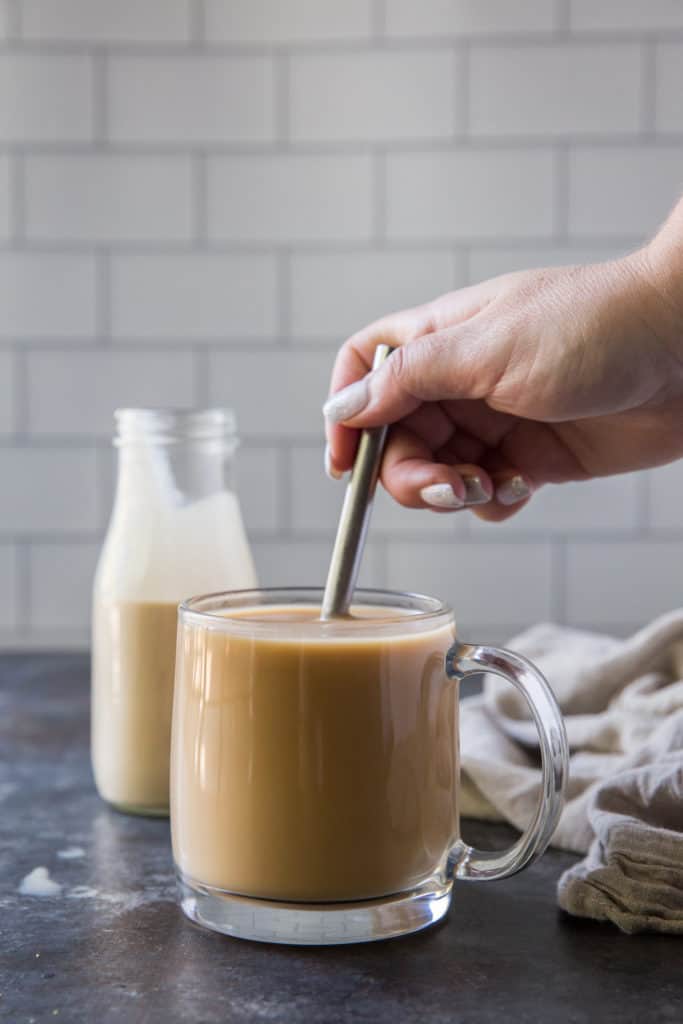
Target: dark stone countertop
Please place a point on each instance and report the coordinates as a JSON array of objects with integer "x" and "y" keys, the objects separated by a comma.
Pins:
[{"x": 113, "y": 946}]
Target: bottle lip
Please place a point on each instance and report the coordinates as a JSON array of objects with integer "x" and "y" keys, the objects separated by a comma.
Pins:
[{"x": 174, "y": 426}]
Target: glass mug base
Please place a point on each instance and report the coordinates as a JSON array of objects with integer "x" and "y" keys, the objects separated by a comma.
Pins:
[
  {"x": 352, "y": 727},
  {"x": 314, "y": 924}
]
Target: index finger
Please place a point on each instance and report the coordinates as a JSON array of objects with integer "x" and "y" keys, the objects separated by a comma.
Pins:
[{"x": 354, "y": 359}]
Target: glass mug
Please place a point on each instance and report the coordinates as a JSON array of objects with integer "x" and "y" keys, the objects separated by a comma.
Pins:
[{"x": 315, "y": 765}]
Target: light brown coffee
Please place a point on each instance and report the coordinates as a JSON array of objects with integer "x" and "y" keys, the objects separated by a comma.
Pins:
[
  {"x": 313, "y": 769},
  {"x": 132, "y": 699}
]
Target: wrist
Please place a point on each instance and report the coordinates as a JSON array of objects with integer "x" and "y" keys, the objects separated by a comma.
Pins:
[{"x": 662, "y": 266}]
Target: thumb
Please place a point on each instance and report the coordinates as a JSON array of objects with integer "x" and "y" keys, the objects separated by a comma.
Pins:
[{"x": 433, "y": 368}]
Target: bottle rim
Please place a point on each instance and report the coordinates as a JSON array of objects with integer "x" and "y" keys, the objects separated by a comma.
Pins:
[{"x": 174, "y": 426}]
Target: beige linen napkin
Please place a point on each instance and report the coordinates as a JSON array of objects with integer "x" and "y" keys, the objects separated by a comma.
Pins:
[{"x": 623, "y": 707}]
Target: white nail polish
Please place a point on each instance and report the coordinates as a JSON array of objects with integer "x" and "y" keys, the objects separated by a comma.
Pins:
[
  {"x": 333, "y": 474},
  {"x": 513, "y": 490},
  {"x": 441, "y": 496},
  {"x": 475, "y": 493},
  {"x": 348, "y": 402}
]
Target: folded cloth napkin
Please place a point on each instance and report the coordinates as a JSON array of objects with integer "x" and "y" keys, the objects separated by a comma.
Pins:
[{"x": 623, "y": 707}]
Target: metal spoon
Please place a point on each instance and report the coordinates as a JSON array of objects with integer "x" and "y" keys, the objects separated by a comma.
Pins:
[{"x": 355, "y": 516}]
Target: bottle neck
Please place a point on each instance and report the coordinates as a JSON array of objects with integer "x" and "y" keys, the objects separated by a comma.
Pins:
[
  {"x": 170, "y": 457},
  {"x": 163, "y": 475}
]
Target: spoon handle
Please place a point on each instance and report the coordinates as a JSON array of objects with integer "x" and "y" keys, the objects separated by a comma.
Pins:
[{"x": 355, "y": 515}]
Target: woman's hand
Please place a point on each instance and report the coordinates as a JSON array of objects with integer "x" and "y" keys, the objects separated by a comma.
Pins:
[{"x": 532, "y": 378}]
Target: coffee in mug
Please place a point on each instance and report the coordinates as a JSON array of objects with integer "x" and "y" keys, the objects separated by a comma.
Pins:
[{"x": 314, "y": 765}]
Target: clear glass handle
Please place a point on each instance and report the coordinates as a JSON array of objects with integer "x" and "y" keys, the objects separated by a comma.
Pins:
[{"x": 465, "y": 660}]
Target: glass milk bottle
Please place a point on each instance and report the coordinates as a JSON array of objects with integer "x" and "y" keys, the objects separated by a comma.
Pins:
[{"x": 176, "y": 530}]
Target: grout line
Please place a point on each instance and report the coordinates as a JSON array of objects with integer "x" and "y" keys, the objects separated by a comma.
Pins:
[
  {"x": 467, "y": 263},
  {"x": 378, "y": 17},
  {"x": 103, "y": 273},
  {"x": 381, "y": 546},
  {"x": 197, "y": 21},
  {"x": 414, "y": 537},
  {"x": 100, "y": 112},
  {"x": 15, "y": 384},
  {"x": 282, "y": 98},
  {"x": 561, "y": 204},
  {"x": 531, "y": 243},
  {"x": 162, "y": 50},
  {"x": 284, "y": 493},
  {"x": 479, "y": 143},
  {"x": 461, "y": 269},
  {"x": 283, "y": 292},
  {"x": 648, "y": 96},
  {"x": 14, "y": 20},
  {"x": 22, "y": 592},
  {"x": 200, "y": 197},
  {"x": 53, "y": 537},
  {"x": 20, "y": 394},
  {"x": 562, "y": 18},
  {"x": 461, "y": 84},
  {"x": 201, "y": 378},
  {"x": 17, "y": 171},
  {"x": 558, "y": 580},
  {"x": 379, "y": 199},
  {"x": 644, "y": 504}
]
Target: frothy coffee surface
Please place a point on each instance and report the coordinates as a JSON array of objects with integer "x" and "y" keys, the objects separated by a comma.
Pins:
[{"x": 313, "y": 769}]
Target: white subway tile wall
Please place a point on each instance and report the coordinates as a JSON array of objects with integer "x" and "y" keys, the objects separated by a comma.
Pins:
[
  {"x": 5, "y": 200},
  {"x": 48, "y": 295},
  {"x": 47, "y": 491},
  {"x": 623, "y": 583},
  {"x": 99, "y": 21},
  {"x": 46, "y": 98},
  {"x": 463, "y": 18},
  {"x": 625, "y": 15},
  {"x": 665, "y": 505},
  {"x": 274, "y": 22},
  {"x": 199, "y": 199},
  {"x": 490, "y": 262},
  {"x": 622, "y": 191},
  {"x": 190, "y": 100},
  {"x": 289, "y": 199},
  {"x": 546, "y": 90},
  {"x": 334, "y": 293},
  {"x": 489, "y": 585},
  {"x": 193, "y": 296},
  {"x": 60, "y": 584},
  {"x": 88, "y": 198},
  {"x": 74, "y": 394},
  {"x": 374, "y": 96},
  {"x": 669, "y": 115},
  {"x": 276, "y": 394},
  {"x": 8, "y": 587},
  {"x": 7, "y": 389},
  {"x": 471, "y": 194}
]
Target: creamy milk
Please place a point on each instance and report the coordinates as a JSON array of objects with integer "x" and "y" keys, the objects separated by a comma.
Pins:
[{"x": 160, "y": 549}]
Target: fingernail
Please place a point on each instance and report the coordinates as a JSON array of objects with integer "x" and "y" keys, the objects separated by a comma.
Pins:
[
  {"x": 513, "y": 490},
  {"x": 348, "y": 402},
  {"x": 441, "y": 496},
  {"x": 475, "y": 492},
  {"x": 332, "y": 472}
]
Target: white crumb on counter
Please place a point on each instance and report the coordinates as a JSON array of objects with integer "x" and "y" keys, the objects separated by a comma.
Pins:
[
  {"x": 39, "y": 883},
  {"x": 71, "y": 853}
]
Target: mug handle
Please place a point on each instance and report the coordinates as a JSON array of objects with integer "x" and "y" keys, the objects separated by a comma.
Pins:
[{"x": 464, "y": 660}]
